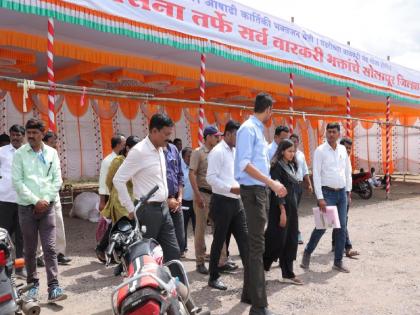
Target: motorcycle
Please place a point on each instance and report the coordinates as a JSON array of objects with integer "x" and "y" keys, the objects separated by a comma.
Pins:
[
  {"x": 150, "y": 287},
  {"x": 361, "y": 185},
  {"x": 12, "y": 299}
]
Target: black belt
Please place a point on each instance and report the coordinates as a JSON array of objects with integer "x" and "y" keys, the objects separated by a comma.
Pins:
[
  {"x": 332, "y": 189},
  {"x": 151, "y": 203},
  {"x": 205, "y": 190}
]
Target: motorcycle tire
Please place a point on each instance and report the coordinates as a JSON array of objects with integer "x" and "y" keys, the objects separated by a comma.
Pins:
[
  {"x": 31, "y": 308},
  {"x": 366, "y": 193}
]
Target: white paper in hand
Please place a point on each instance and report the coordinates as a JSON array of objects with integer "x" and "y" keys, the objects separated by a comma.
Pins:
[{"x": 328, "y": 219}]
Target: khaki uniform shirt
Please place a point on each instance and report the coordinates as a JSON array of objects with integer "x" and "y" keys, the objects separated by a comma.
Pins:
[{"x": 198, "y": 163}]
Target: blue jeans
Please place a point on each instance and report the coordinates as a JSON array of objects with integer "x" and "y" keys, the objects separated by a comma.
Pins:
[{"x": 339, "y": 199}]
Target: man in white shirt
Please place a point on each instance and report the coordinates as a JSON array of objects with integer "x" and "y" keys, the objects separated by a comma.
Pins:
[
  {"x": 117, "y": 144},
  {"x": 348, "y": 143},
  {"x": 332, "y": 183},
  {"x": 302, "y": 174},
  {"x": 9, "y": 218},
  {"x": 281, "y": 133},
  {"x": 226, "y": 209},
  {"x": 145, "y": 166}
]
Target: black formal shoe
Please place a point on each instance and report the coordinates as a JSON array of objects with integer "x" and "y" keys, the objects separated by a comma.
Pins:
[
  {"x": 228, "y": 268},
  {"x": 118, "y": 270},
  {"x": 217, "y": 284},
  {"x": 202, "y": 269},
  {"x": 40, "y": 261},
  {"x": 100, "y": 255},
  {"x": 63, "y": 260},
  {"x": 260, "y": 311}
]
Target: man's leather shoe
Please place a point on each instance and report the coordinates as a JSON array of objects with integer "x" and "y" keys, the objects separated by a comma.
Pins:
[
  {"x": 246, "y": 300},
  {"x": 202, "y": 269},
  {"x": 260, "y": 311},
  {"x": 217, "y": 284},
  {"x": 63, "y": 260},
  {"x": 228, "y": 268}
]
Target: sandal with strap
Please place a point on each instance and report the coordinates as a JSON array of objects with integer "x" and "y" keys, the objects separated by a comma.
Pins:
[{"x": 352, "y": 253}]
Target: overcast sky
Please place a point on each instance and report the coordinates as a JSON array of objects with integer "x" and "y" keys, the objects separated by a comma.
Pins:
[{"x": 380, "y": 27}]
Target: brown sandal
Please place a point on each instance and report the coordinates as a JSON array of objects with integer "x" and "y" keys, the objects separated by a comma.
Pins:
[{"x": 352, "y": 253}]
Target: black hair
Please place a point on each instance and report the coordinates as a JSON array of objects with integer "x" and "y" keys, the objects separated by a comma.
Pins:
[
  {"x": 35, "y": 123},
  {"x": 116, "y": 140},
  {"x": 130, "y": 142},
  {"x": 4, "y": 138},
  {"x": 333, "y": 125},
  {"x": 283, "y": 145},
  {"x": 160, "y": 121},
  {"x": 344, "y": 141},
  {"x": 372, "y": 170},
  {"x": 176, "y": 140},
  {"x": 17, "y": 128},
  {"x": 294, "y": 136},
  {"x": 262, "y": 102},
  {"x": 231, "y": 126},
  {"x": 49, "y": 134},
  {"x": 185, "y": 150},
  {"x": 362, "y": 170},
  {"x": 280, "y": 129}
]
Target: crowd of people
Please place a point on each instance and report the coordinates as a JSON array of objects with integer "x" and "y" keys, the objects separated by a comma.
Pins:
[{"x": 235, "y": 182}]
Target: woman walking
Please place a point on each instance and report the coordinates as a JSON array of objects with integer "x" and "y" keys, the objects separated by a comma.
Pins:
[{"x": 281, "y": 236}]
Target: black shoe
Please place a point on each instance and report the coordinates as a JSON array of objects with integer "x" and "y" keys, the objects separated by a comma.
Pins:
[
  {"x": 246, "y": 300},
  {"x": 40, "y": 261},
  {"x": 118, "y": 270},
  {"x": 217, "y": 284},
  {"x": 260, "y": 311},
  {"x": 228, "y": 268},
  {"x": 202, "y": 269},
  {"x": 63, "y": 260},
  {"x": 100, "y": 255}
]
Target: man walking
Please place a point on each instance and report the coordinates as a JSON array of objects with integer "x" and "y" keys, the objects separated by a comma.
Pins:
[
  {"x": 145, "y": 166},
  {"x": 226, "y": 209},
  {"x": 202, "y": 193},
  {"x": 348, "y": 143},
  {"x": 332, "y": 183},
  {"x": 252, "y": 173},
  {"x": 37, "y": 179},
  {"x": 175, "y": 179},
  {"x": 9, "y": 216}
]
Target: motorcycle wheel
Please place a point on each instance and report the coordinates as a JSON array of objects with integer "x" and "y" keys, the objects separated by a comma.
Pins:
[
  {"x": 365, "y": 192},
  {"x": 31, "y": 308}
]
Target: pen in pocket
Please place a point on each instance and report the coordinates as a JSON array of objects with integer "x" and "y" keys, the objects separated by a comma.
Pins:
[{"x": 49, "y": 168}]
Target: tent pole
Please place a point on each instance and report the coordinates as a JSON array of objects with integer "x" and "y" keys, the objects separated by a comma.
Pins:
[
  {"x": 291, "y": 93},
  {"x": 51, "y": 80},
  {"x": 388, "y": 146},
  {"x": 348, "y": 128},
  {"x": 202, "y": 100}
]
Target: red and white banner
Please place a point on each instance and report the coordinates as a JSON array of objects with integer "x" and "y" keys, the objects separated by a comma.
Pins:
[{"x": 234, "y": 24}]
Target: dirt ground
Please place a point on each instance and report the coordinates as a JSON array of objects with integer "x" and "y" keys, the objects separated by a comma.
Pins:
[{"x": 384, "y": 280}]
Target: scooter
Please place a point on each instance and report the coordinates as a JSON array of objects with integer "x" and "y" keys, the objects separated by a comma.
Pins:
[
  {"x": 361, "y": 185},
  {"x": 150, "y": 287},
  {"x": 12, "y": 299}
]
